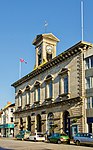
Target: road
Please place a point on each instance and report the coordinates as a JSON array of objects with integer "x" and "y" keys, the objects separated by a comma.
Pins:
[{"x": 10, "y": 144}]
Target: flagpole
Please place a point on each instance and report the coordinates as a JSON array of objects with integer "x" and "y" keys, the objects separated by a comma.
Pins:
[
  {"x": 20, "y": 69},
  {"x": 82, "y": 20}
]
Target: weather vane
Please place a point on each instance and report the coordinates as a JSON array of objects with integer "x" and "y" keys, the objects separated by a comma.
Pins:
[{"x": 45, "y": 25}]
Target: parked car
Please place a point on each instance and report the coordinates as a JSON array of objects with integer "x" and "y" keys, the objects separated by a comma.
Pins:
[
  {"x": 23, "y": 135},
  {"x": 59, "y": 138},
  {"x": 83, "y": 138},
  {"x": 36, "y": 137}
]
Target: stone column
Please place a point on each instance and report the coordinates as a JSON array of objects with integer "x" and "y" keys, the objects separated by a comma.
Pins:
[
  {"x": 35, "y": 124},
  {"x": 53, "y": 89},
  {"x": 61, "y": 122},
  {"x": 46, "y": 123},
  {"x": 26, "y": 123}
]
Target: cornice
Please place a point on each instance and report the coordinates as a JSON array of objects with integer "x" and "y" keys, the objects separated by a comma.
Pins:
[{"x": 77, "y": 48}]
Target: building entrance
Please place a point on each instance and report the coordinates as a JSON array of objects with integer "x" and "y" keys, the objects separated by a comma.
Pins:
[
  {"x": 66, "y": 122},
  {"x": 39, "y": 123}
]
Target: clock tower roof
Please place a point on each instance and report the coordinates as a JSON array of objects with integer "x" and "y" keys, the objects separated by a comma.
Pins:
[{"x": 45, "y": 35}]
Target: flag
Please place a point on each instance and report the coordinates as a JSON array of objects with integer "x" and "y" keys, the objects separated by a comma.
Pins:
[{"x": 22, "y": 60}]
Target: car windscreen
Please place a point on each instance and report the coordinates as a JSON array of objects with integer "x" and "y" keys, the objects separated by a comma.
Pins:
[
  {"x": 40, "y": 135},
  {"x": 63, "y": 134}
]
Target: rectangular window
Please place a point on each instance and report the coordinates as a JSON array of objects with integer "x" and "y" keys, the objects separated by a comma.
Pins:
[
  {"x": 66, "y": 84},
  {"x": 88, "y": 102},
  {"x": 11, "y": 119},
  {"x": 28, "y": 97},
  {"x": 89, "y": 82},
  {"x": 87, "y": 63},
  {"x": 38, "y": 93},
  {"x": 92, "y": 101},
  {"x": 92, "y": 61},
  {"x": 50, "y": 88},
  {"x": 11, "y": 109}
]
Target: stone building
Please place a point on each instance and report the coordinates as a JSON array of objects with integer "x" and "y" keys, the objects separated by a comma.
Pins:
[{"x": 52, "y": 98}]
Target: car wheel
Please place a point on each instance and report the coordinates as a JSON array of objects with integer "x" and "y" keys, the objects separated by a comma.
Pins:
[
  {"x": 77, "y": 143},
  {"x": 34, "y": 139},
  {"x": 68, "y": 142},
  {"x": 59, "y": 142}
]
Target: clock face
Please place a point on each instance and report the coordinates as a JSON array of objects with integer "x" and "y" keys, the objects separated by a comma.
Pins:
[{"x": 49, "y": 49}]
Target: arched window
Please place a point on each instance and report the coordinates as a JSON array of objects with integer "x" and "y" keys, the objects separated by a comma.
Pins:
[
  {"x": 29, "y": 123},
  {"x": 38, "y": 123},
  {"x": 50, "y": 122}
]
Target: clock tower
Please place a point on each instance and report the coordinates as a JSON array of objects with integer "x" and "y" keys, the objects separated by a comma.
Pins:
[{"x": 45, "y": 46}]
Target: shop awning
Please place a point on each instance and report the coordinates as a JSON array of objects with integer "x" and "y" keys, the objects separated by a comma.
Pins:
[{"x": 7, "y": 126}]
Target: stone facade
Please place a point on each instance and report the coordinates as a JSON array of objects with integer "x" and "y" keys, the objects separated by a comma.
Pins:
[{"x": 51, "y": 97}]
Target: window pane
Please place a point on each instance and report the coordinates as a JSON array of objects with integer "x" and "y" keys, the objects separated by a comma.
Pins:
[
  {"x": 87, "y": 82},
  {"x": 91, "y": 82},
  {"x": 88, "y": 102},
  {"x": 91, "y": 61},
  {"x": 39, "y": 94},
  {"x": 92, "y": 101},
  {"x": 11, "y": 119},
  {"x": 66, "y": 84},
  {"x": 50, "y": 89},
  {"x": 11, "y": 109},
  {"x": 87, "y": 63},
  {"x": 28, "y": 97}
]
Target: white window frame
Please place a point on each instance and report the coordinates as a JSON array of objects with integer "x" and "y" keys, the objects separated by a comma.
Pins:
[
  {"x": 37, "y": 93},
  {"x": 89, "y": 102},
  {"x": 89, "y": 82},
  {"x": 28, "y": 97},
  {"x": 62, "y": 89},
  {"x": 89, "y": 62}
]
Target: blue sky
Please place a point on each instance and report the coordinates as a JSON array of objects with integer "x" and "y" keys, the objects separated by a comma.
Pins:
[{"x": 22, "y": 20}]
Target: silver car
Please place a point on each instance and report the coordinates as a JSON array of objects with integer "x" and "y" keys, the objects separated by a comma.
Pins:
[{"x": 83, "y": 138}]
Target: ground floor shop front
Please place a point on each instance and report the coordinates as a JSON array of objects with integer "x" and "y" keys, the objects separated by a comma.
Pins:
[
  {"x": 54, "y": 118},
  {"x": 7, "y": 130}
]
